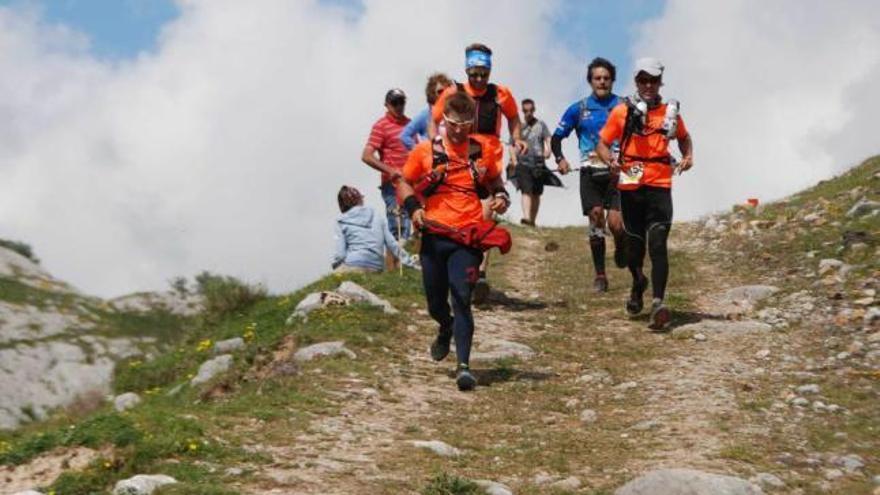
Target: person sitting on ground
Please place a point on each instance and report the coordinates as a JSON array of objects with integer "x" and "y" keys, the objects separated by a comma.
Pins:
[{"x": 362, "y": 236}]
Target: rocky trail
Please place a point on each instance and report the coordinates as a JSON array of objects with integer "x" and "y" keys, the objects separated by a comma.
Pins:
[
  {"x": 577, "y": 398},
  {"x": 765, "y": 382}
]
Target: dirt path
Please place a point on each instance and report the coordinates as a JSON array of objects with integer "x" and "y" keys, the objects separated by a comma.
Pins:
[{"x": 600, "y": 399}]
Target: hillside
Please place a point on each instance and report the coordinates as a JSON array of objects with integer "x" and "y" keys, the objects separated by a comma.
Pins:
[
  {"x": 59, "y": 346},
  {"x": 769, "y": 376}
]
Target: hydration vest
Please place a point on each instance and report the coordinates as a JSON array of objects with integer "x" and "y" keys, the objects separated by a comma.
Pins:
[
  {"x": 434, "y": 181},
  {"x": 486, "y": 116}
]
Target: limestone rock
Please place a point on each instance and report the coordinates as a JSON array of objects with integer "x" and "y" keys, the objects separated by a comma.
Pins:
[
  {"x": 589, "y": 416},
  {"x": 491, "y": 350},
  {"x": 570, "y": 483},
  {"x": 228, "y": 345},
  {"x": 721, "y": 326},
  {"x": 126, "y": 401},
  {"x": 170, "y": 301},
  {"x": 863, "y": 207},
  {"x": 767, "y": 480},
  {"x": 442, "y": 449},
  {"x": 142, "y": 484},
  {"x": 211, "y": 368},
  {"x": 355, "y": 292},
  {"x": 687, "y": 481},
  {"x": 322, "y": 350},
  {"x": 493, "y": 488},
  {"x": 743, "y": 299}
]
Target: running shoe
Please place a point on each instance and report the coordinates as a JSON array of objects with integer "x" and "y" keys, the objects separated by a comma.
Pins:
[
  {"x": 440, "y": 346},
  {"x": 660, "y": 316},
  {"x": 635, "y": 303},
  {"x": 464, "y": 379}
]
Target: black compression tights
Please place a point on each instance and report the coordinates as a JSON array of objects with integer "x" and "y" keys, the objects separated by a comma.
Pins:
[{"x": 656, "y": 247}]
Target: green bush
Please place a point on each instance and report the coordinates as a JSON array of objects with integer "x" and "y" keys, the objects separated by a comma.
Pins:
[
  {"x": 20, "y": 248},
  {"x": 448, "y": 484},
  {"x": 102, "y": 429},
  {"x": 225, "y": 295}
]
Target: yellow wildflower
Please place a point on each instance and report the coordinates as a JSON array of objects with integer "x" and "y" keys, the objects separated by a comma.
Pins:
[{"x": 204, "y": 345}]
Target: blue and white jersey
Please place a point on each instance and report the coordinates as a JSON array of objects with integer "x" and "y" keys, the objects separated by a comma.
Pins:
[{"x": 586, "y": 117}]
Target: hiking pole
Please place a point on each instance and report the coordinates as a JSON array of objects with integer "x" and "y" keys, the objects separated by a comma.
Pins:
[{"x": 399, "y": 239}]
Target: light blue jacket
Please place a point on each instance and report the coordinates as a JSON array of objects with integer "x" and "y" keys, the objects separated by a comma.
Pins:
[
  {"x": 417, "y": 128},
  {"x": 361, "y": 238}
]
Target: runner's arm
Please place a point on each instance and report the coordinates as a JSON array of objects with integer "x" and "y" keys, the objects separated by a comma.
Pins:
[
  {"x": 686, "y": 147},
  {"x": 411, "y": 204},
  {"x": 500, "y": 198},
  {"x": 604, "y": 152},
  {"x": 514, "y": 125}
]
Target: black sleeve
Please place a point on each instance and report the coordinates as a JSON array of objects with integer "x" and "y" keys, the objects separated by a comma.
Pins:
[{"x": 556, "y": 147}]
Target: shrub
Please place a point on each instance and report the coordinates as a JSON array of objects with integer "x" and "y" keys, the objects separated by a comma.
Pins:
[
  {"x": 448, "y": 484},
  {"x": 225, "y": 295},
  {"x": 20, "y": 248}
]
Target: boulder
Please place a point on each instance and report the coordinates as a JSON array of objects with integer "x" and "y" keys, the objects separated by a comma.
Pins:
[
  {"x": 493, "y": 488},
  {"x": 739, "y": 300},
  {"x": 355, "y": 292},
  {"x": 228, "y": 345},
  {"x": 863, "y": 207},
  {"x": 142, "y": 484},
  {"x": 687, "y": 482},
  {"x": 322, "y": 350},
  {"x": 211, "y": 368}
]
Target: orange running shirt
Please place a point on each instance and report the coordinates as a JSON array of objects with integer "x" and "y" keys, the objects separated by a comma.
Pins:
[
  {"x": 653, "y": 145},
  {"x": 446, "y": 206},
  {"x": 493, "y": 150}
]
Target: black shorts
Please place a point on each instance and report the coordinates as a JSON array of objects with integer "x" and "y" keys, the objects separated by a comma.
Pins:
[
  {"x": 645, "y": 207},
  {"x": 530, "y": 180},
  {"x": 598, "y": 188}
]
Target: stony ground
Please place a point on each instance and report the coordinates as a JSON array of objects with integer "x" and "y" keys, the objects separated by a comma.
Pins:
[
  {"x": 577, "y": 398},
  {"x": 768, "y": 373}
]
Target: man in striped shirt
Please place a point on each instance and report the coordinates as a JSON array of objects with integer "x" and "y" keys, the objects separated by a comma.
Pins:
[{"x": 387, "y": 154}]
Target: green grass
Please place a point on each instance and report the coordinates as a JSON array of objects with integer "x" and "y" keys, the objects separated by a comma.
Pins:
[{"x": 448, "y": 484}]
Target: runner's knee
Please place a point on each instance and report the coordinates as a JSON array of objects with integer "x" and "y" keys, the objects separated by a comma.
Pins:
[{"x": 657, "y": 236}]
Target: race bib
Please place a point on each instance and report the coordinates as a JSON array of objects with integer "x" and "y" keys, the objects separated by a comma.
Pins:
[{"x": 633, "y": 175}]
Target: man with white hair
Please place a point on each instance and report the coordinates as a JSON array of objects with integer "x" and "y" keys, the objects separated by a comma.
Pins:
[{"x": 644, "y": 125}]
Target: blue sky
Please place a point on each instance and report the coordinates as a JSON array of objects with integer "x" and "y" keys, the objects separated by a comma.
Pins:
[
  {"x": 120, "y": 29},
  {"x": 117, "y": 29}
]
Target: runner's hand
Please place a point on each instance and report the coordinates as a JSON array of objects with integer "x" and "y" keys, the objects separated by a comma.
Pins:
[
  {"x": 418, "y": 218},
  {"x": 686, "y": 163},
  {"x": 614, "y": 166},
  {"x": 521, "y": 147},
  {"x": 563, "y": 166},
  {"x": 499, "y": 203}
]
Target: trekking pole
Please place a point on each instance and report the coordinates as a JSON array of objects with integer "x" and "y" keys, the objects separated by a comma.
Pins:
[{"x": 399, "y": 239}]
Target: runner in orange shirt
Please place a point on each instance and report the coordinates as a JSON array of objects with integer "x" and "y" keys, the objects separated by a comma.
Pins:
[
  {"x": 645, "y": 125},
  {"x": 492, "y": 101},
  {"x": 443, "y": 181}
]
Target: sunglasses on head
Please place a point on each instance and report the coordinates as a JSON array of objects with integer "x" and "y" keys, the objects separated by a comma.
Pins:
[{"x": 648, "y": 80}]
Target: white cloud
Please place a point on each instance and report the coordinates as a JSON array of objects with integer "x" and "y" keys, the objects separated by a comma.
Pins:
[
  {"x": 777, "y": 95},
  {"x": 224, "y": 149}
]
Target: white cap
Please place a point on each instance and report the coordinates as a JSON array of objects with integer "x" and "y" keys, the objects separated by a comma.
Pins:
[{"x": 649, "y": 65}]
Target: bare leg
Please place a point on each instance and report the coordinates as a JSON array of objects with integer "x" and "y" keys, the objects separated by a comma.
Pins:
[{"x": 533, "y": 212}]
